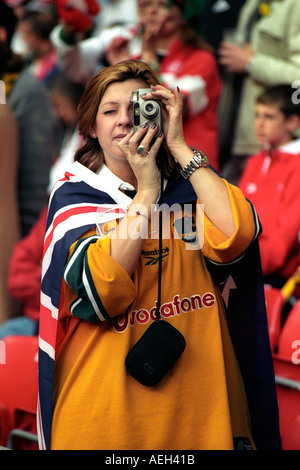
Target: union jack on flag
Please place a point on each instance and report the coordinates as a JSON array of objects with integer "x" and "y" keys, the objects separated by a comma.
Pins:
[{"x": 74, "y": 208}]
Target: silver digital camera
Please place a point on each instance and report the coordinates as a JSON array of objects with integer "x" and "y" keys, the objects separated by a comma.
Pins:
[{"x": 146, "y": 110}]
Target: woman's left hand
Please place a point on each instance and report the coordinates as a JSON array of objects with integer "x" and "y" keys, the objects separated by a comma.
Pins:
[{"x": 172, "y": 118}]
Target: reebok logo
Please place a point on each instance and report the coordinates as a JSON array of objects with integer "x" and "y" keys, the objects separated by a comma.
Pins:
[{"x": 153, "y": 255}]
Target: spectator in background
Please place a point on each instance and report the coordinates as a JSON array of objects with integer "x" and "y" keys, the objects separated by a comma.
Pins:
[
  {"x": 35, "y": 28},
  {"x": 166, "y": 41},
  {"x": 24, "y": 275},
  {"x": 217, "y": 17},
  {"x": 20, "y": 8},
  {"x": 9, "y": 215},
  {"x": 271, "y": 181},
  {"x": 181, "y": 58},
  {"x": 81, "y": 58},
  {"x": 115, "y": 13},
  {"x": 218, "y": 20},
  {"x": 268, "y": 55},
  {"x": 37, "y": 126},
  {"x": 24, "y": 280},
  {"x": 65, "y": 97}
]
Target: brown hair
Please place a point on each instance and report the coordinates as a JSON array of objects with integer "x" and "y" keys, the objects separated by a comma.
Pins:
[
  {"x": 281, "y": 96},
  {"x": 90, "y": 154}
]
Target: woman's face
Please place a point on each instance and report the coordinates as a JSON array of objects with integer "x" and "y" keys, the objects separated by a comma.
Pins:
[
  {"x": 158, "y": 13},
  {"x": 115, "y": 119}
]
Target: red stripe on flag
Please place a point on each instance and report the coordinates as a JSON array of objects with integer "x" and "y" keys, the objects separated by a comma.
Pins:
[
  {"x": 75, "y": 211},
  {"x": 64, "y": 216},
  {"x": 48, "y": 326}
]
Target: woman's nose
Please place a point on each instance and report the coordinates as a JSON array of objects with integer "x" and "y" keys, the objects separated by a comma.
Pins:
[{"x": 125, "y": 118}]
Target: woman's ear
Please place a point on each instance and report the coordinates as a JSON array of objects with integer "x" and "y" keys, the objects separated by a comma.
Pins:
[{"x": 92, "y": 132}]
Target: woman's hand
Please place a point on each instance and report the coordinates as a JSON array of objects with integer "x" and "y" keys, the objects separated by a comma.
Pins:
[
  {"x": 172, "y": 119},
  {"x": 143, "y": 165}
]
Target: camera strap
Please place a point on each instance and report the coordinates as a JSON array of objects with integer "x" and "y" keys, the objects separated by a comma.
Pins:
[{"x": 157, "y": 313}]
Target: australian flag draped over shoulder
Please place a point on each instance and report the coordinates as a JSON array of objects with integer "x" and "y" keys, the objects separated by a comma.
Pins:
[{"x": 240, "y": 282}]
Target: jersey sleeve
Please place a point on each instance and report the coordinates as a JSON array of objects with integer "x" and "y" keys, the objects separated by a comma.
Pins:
[
  {"x": 96, "y": 287},
  {"x": 217, "y": 247}
]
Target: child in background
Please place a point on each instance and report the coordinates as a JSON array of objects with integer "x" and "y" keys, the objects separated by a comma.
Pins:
[{"x": 271, "y": 182}]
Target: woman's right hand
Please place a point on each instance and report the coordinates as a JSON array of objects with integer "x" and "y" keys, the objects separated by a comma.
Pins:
[{"x": 144, "y": 166}]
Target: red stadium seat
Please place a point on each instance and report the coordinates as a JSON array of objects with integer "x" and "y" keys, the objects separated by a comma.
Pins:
[
  {"x": 289, "y": 340},
  {"x": 287, "y": 375},
  {"x": 274, "y": 304},
  {"x": 18, "y": 392}
]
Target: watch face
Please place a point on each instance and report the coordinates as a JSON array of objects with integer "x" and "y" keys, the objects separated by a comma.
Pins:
[{"x": 201, "y": 158}]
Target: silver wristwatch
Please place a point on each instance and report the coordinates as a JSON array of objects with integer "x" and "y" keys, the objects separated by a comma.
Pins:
[{"x": 199, "y": 160}]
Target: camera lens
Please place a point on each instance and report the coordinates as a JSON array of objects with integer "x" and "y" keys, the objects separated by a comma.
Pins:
[{"x": 149, "y": 107}]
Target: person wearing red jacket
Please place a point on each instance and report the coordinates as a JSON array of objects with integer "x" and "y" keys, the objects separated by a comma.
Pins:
[
  {"x": 271, "y": 182},
  {"x": 24, "y": 280},
  {"x": 196, "y": 73},
  {"x": 172, "y": 46}
]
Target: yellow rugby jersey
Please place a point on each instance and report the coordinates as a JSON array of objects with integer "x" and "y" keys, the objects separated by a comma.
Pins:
[{"x": 202, "y": 403}]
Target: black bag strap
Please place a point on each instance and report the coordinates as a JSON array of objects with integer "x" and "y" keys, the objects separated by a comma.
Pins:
[{"x": 157, "y": 313}]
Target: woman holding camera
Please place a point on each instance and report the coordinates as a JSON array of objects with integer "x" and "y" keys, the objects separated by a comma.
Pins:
[{"x": 100, "y": 281}]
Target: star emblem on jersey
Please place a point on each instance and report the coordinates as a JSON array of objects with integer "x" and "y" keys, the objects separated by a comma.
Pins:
[{"x": 186, "y": 229}]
